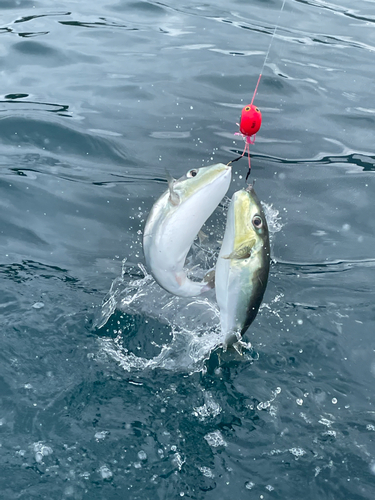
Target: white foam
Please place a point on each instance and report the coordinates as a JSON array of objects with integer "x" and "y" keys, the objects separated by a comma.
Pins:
[
  {"x": 209, "y": 409},
  {"x": 41, "y": 450},
  {"x": 215, "y": 439},
  {"x": 207, "y": 472}
]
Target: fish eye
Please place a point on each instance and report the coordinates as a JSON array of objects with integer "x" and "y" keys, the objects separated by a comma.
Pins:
[
  {"x": 192, "y": 173},
  {"x": 257, "y": 221},
  {"x": 257, "y": 110},
  {"x": 247, "y": 108}
]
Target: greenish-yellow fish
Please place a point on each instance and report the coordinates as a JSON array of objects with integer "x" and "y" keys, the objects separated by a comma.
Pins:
[{"x": 243, "y": 265}]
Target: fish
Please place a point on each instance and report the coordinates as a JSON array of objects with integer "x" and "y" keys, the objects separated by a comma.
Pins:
[
  {"x": 174, "y": 222},
  {"x": 242, "y": 266}
]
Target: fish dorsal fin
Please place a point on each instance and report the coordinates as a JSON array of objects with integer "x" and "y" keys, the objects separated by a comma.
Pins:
[
  {"x": 173, "y": 196},
  {"x": 239, "y": 253}
]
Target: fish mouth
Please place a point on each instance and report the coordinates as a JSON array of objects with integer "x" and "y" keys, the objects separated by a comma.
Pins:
[
  {"x": 224, "y": 168},
  {"x": 219, "y": 175},
  {"x": 227, "y": 170}
]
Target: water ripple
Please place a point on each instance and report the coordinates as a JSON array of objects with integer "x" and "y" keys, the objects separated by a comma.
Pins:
[
  {"x": 298, "y": 36},
  {"x": 337, "y": 9},
  {"x": 10, "y": 103},
  {"x": 26, "y": 19},
  {"x": 339, "y": 266},
  {"x": 98, "y": 24}
]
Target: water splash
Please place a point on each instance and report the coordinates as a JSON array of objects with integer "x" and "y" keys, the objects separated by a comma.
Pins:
[
  {"x": 194, "y": 322},
  {"x": 273, "y": 219}
]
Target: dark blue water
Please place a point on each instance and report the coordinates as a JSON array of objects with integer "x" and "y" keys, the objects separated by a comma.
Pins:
[{"x": 98, "y": 99}]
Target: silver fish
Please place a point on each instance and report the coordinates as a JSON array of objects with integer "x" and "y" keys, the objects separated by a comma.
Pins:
[
  {"x": 174, "y": 222},
  {"x": 243, "y": 265}
]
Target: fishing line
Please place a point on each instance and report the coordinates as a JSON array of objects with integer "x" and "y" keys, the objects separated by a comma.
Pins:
[
  {"x": 268, "y": 51},
  {"x": 251, "y": 117}
]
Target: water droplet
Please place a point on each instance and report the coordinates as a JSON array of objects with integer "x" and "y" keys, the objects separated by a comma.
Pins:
[
  {"x": 105, "y": 472},
  {"x": 334, "y": 401},
  {"x": 38, "y": 305},
  {"x": 299, "y": 402},
  {"x": 101, "y": 435}
]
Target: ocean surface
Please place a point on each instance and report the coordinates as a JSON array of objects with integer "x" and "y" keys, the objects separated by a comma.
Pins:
[{"x": 110, "y": 388}]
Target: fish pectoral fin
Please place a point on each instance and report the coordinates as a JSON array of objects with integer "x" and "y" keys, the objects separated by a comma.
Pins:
[
  {"x": 242, "y": 252},
  {"x": 173, "y": 196},
  {"x": 169, "y": 177},
  {"x": 209, "y": 278}
]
